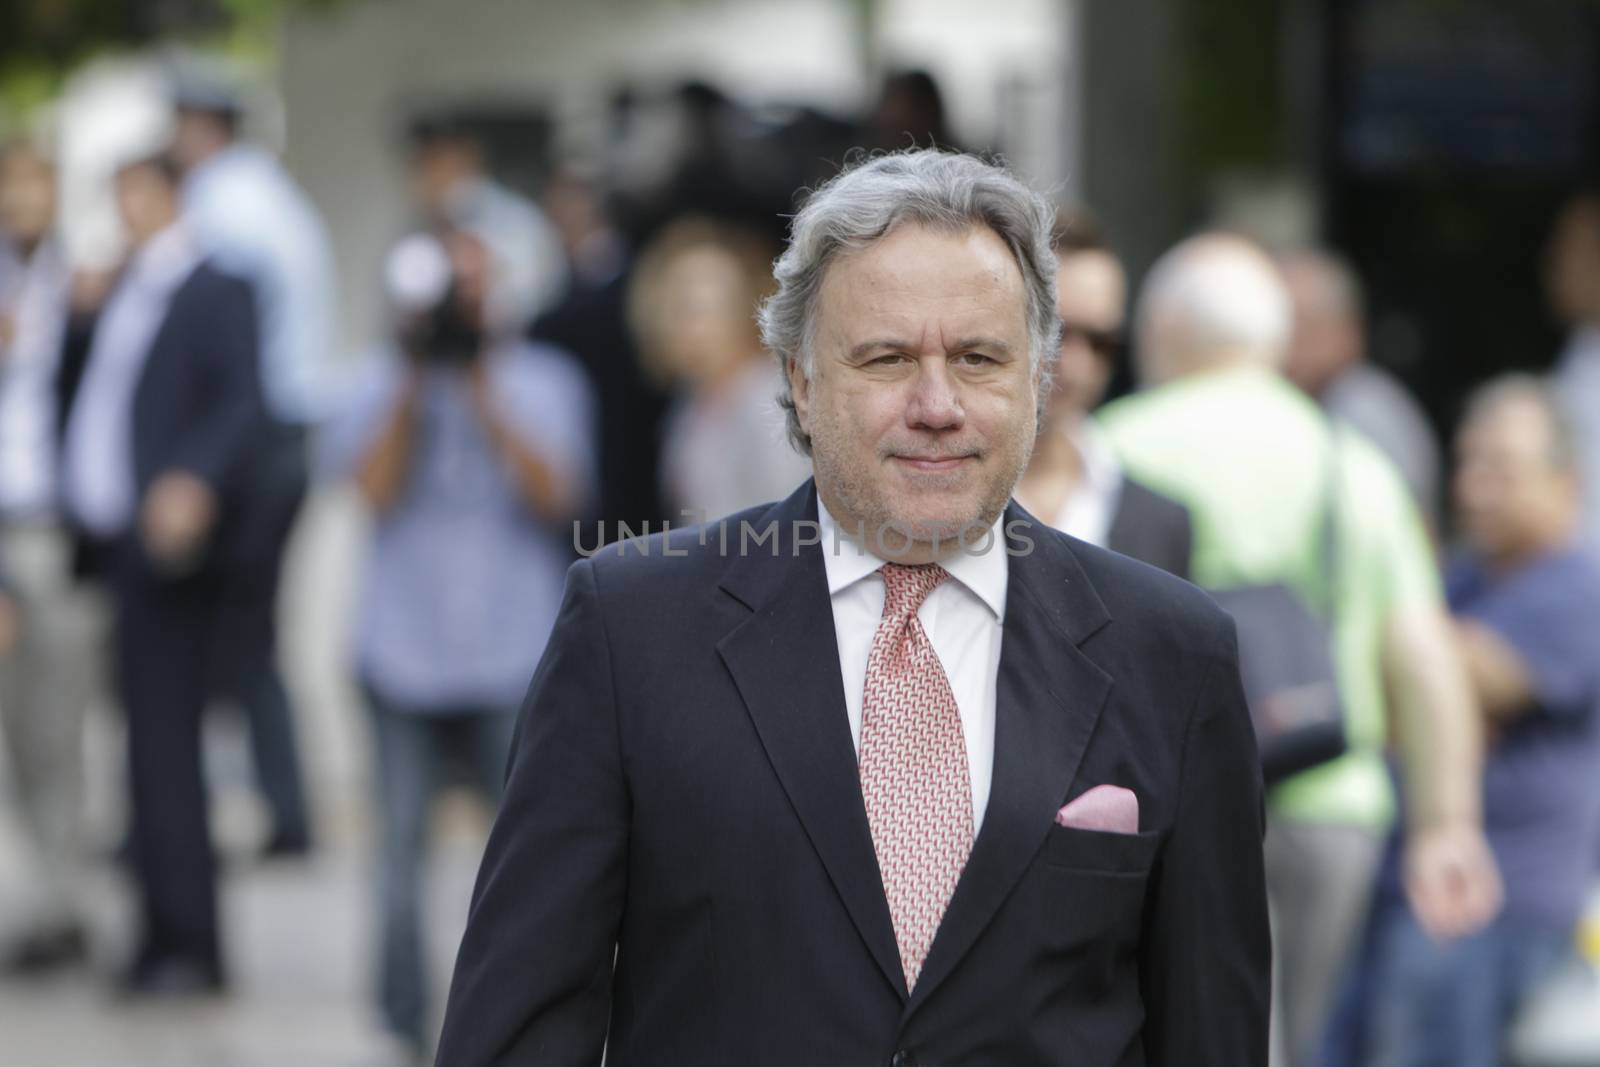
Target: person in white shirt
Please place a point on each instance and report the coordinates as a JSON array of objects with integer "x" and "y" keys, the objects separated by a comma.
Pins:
[
  {"x": 247, "y": 213},
  {"x": 1328, "y": 359},
  {"x": 1074, "y": 480},
  {"x": 451, "y": 182},
  {"x": 50, "y": 673},
  {"x": 165, "y": 422}
]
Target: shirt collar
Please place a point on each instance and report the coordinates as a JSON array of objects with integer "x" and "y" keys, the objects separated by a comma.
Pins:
[
  {"x": 165, "y": 259},
  {"x": 984, "y": 573},
  {"x": 1101, "y": 472},
  {"x": 236, "y": 155}
]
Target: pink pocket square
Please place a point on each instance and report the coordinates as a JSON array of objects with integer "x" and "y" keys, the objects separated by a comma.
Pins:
[{"x": 1107, "y": 808}]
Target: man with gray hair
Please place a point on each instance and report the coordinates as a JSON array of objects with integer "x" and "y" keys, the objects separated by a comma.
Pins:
[
  {"x": 887, "y": 772},
  {"x": 1328, "y": 359},
  {"x": 1526, "y": 601},
  {"x": 1260, "y": 469}
]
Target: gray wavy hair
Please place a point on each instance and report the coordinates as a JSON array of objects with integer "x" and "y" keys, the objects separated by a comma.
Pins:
[{"x": 949, "y": 191}]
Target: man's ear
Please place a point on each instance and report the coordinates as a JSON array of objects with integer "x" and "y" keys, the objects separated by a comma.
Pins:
[{"x": 800, "y": 390}]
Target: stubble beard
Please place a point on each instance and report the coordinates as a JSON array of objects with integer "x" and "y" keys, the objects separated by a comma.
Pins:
[{"x": 863, "y": 500}]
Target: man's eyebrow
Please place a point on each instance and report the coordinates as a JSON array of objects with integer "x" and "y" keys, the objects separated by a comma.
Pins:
[
  {"x": 895, "y": 344},
  {"x": 992, "y": 344},
  {"x": 862, "y": 350}
]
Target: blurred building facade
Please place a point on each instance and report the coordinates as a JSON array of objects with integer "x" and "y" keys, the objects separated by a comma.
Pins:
[
  {"x": 1431, "y": 143},
  {"x": 349, "y": 79},
  {"x": 1416, "y": 137}
]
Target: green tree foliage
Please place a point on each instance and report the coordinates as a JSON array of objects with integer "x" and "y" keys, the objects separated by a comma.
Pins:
[{"x": 41, "y": 41}]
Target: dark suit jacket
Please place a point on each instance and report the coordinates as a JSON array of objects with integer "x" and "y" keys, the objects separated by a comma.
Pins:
[
  {"x": 1151, "y": 528},
  {"x": 683, "y": 790},
  {"x": 198, "y": 406},
  {"x": 592, "y": 323}
]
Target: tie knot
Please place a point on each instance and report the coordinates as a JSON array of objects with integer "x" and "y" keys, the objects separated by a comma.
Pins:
[{"x": 906, "y": 587}]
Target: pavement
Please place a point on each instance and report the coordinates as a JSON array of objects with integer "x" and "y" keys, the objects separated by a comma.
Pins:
[{"x": 299, "y": 934}]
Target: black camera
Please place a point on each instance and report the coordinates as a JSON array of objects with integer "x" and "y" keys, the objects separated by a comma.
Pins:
[
  {"x": 444, "y": 335},
  {"x": 435, "y": 326}
]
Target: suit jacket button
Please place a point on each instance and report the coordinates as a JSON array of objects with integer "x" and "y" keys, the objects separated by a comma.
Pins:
[{"x": 903, "y": 1059}]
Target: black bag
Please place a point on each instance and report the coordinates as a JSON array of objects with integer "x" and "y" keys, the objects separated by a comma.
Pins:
[{"x": 1286, "y": 657}]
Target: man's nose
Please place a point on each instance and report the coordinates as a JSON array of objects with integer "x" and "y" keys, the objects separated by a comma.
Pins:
[{"x": 935, "y": 402}]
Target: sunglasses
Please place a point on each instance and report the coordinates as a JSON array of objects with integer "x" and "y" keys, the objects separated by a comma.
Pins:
[{"x": 1107, "y": 344}]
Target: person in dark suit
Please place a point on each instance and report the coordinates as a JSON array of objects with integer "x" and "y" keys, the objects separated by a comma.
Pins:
[
  {"x": 250, "y": 217},
  {"x": 162, "y": 422},
  {"x": 591, "y": 322},
  {"x": 1074, "y": 479},
  {"x": 888, "y": 772}
]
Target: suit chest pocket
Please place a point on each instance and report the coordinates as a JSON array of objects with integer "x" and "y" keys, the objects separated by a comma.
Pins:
[
  {"x": 1089, "y": 888},
  {"x": 1098, "y": 852}
]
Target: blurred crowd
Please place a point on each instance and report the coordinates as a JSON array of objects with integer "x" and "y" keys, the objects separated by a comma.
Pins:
[{"x": 562, "y": 371}]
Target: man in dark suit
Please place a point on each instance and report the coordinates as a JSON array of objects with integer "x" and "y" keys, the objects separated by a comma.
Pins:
[
  {"x": 888, "y": 772},
  {"x": 162, "y": 423},
  {"x": 251, "y": 219},
  {"x": 591, "y": 322},
  {"x": 1074, "y": 479}
]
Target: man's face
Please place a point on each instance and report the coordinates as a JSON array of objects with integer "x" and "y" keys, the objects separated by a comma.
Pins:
[
  {"x": 704, "y": 313},
  {"x": 438, "y": 170},
  {"x": 575, "y": 209},
  {"x": 1511, "y": 498},
  {"x": 146, "y": 201},
  {"x": 197, "y": 136},
  {"x": 921, "y": 408},
  {"x": 1572, "y": 264},
  {"x": 1090, "y": 296},
  {"x": 1326, "y": 338},
  {"x": 27, "y": 196}
]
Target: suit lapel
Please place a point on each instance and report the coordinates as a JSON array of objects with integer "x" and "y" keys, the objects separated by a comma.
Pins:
[
  {"x": 785, "y": 661},
  {"x": 1048, "y": 697}
]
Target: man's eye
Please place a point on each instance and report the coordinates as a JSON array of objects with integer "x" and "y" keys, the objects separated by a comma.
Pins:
[
  {"x": 975, "y": 359},
  {"x": 892, "y": 359}
]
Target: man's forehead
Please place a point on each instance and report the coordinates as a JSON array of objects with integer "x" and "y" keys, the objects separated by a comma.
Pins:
[
  {"x": 1522, "y": 415},
  {"x": 909, "y": 279},
  {"x": 1512, "y": 423},
  {"x": 914, "y": 248},
  {"x": 1091, "y": 273},
  {"x": 1097, "y": 261},
  {"x": 920, "y": 324}
]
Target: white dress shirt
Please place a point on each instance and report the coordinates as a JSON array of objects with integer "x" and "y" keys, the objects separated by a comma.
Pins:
[
  {"x": 98, "y": 465},
  {"x": 1089, "y": 509},
  {"x": 247, "y": 212},
  {"x": 34, "y": 298},
  {"x": 963, "y": 616}
]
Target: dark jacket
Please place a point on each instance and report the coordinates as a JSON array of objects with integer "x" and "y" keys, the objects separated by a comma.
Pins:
[
  {"x": 198, "y": 406},
  {"x": 683, "y": 797},
  {"x": 1151, "y": 528}
]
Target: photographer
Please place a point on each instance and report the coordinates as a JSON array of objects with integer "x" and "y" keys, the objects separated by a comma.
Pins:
[{"x": 474, "y": 454}]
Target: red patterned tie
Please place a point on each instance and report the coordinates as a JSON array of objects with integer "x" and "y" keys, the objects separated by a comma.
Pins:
[{"x": 914, "y": 774}]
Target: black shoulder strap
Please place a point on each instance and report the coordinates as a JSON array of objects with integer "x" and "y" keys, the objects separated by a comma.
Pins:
[{"x": 1330, "y": 548}]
